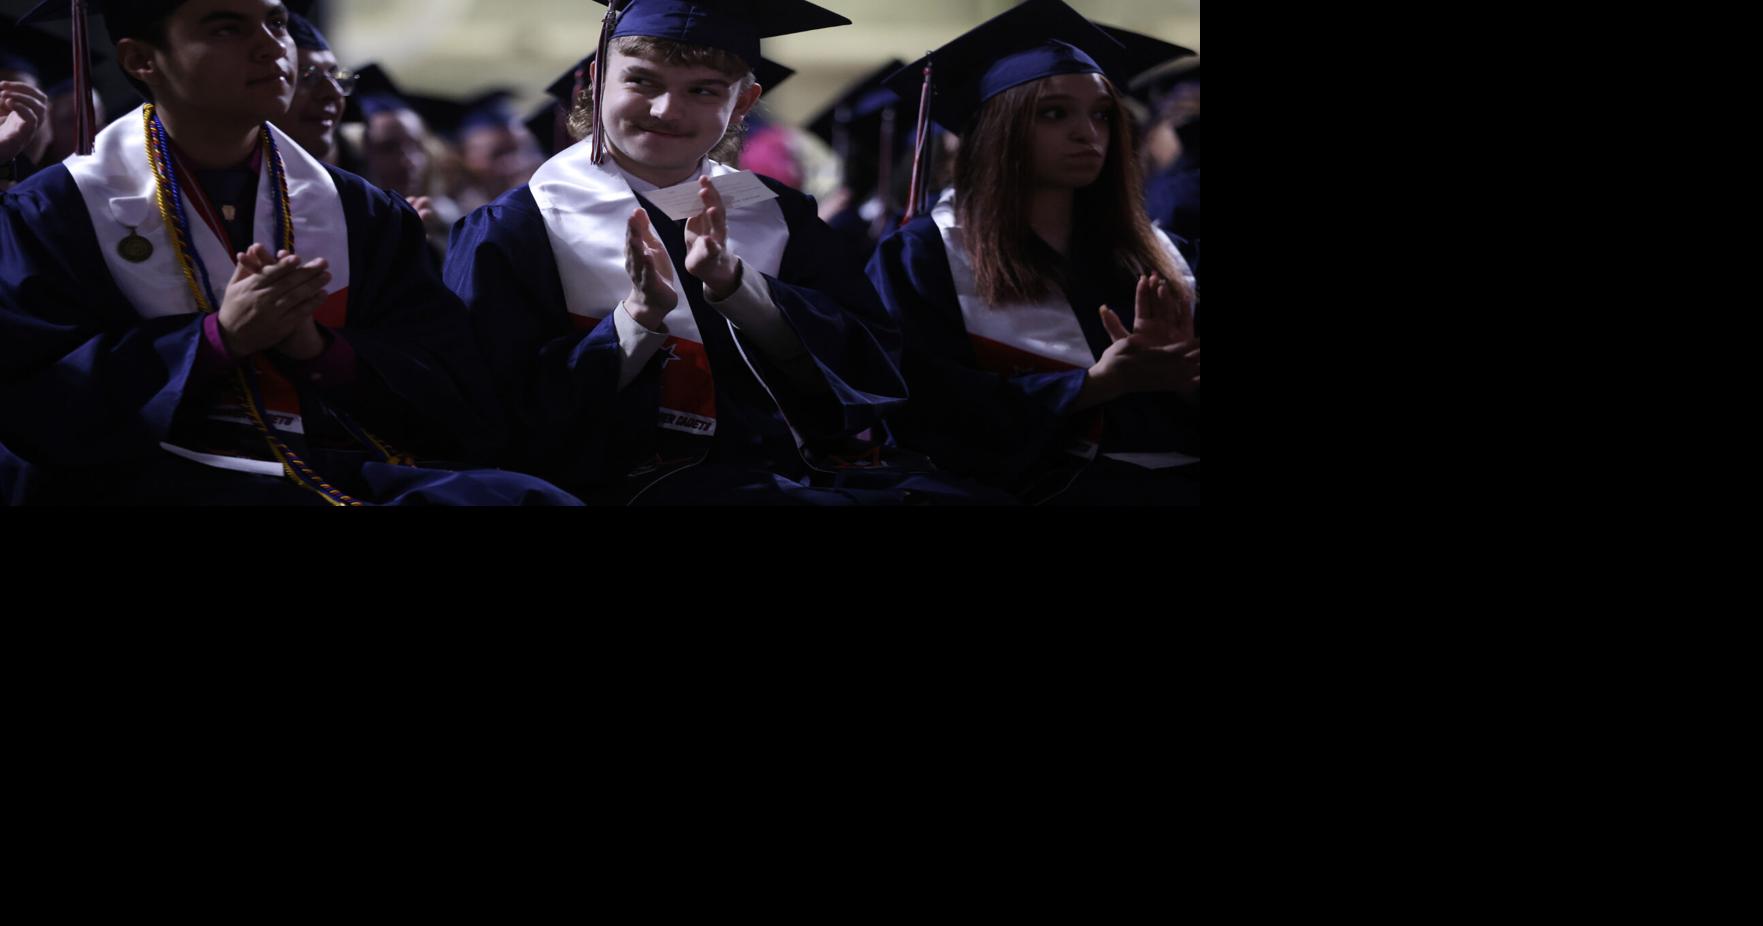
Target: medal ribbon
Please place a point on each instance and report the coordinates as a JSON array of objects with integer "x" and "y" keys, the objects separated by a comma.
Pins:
[{"x": 171, "y": 210}]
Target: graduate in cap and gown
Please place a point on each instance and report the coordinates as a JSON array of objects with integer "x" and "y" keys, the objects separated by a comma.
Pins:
[
  {"x": 1172, "y": 192},
  {"x": 868, "y": 135},
  {"x": 193, "y": 310},
  {"x": 401, "y": 153},
  {"x": 495, "y": 148},
  {"x": 728, "y": 353},
  {"x": 321, "y": 94},
  {"x": 1049, "y": 343},
  {"x": 26, "y": 130}
]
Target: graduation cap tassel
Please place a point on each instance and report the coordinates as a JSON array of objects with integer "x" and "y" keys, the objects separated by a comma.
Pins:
[
  {"x": 884, "y": 180},
  {"x": 607, "y": 25},
  {"x": 84, "y": 118},
  {"x": 917, "y": 190}
]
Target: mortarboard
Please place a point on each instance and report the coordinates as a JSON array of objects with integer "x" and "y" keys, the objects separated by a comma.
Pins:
[
  {"x": 122, "y": 19},
  {"x": 1034, "y": 40},
  {"x": 734, "y": 26},
  {"x": 375, "y": 93},
  {"x": 306, "y": 35},
  {"x": 865, "y": 119},
  {"x": 46, "y": 57},
  {"x": 1155, "y": 83}
]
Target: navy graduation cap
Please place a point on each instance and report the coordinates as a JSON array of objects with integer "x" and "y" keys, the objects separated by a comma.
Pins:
[
  {"x": 306, "y": 35},
  {"x": 28, "y": 51},
  {"x": 122, "y": 19},
  {"x": 375, "y": 93},
  {"x": 491, "y": 108},
  {"x": 865, "y": 118},
  {"x": 1034, "y": 40},
  {"x": 863, "y": 100},
  {"x": 1143, "y": 54},
  {"x": 568, "y": 85},
  {"x": 301, "y": 26},
  {"x": 1155, "y": 83},
  {"x": 734, "y": 26}
]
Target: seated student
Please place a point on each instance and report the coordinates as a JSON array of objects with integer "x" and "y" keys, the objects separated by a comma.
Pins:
[
  {"x": 496, "y": 151},
  {"x": 399, "y": 151},
  {"x": 736, "y": 356},
  {"x": 199, "y": 312},
  {"x": 321, "y": 90},
  {"x": 26, "y": 132},
  {"x": 1172, "y": 194},
  {"x": 1049, "y": 344},
  {"x": 867, "y": 135}
]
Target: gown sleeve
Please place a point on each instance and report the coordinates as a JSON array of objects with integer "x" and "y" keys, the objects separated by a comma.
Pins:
[
  {"x": 557, "y": 376},
  {"x": 84, "y": 380},
  {"x": 967, "y": 419}
]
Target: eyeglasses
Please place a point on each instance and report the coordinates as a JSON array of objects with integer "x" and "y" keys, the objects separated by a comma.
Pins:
[{"x": 342, "y": 77}]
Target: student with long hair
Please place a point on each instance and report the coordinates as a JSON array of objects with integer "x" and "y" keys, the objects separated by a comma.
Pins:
[{"x": 1049, "y": 328}]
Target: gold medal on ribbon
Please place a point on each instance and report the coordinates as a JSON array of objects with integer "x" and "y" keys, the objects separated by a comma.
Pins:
[{"x": 135, "y": 249}]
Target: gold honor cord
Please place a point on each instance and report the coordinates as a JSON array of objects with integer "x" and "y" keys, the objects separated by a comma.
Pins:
[{"x": 171, "y": 210}]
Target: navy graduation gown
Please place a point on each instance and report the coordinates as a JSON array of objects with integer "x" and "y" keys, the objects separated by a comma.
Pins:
[
  {"x": 1008, "y": 431},
  {"x": 89, "y": 389},
  {"x": 573, "y": 424}
]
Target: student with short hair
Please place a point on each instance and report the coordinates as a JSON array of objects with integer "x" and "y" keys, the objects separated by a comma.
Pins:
[
  {"x": 199, "y": 312},
  {"x": 735, "y": 356}
]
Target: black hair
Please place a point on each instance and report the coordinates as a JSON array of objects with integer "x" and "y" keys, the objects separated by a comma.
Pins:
[{"x": 142, "y": 20}]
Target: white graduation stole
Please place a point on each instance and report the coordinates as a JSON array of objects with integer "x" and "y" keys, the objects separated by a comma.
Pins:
[
  {"x": 586, "y": 208},
  {"x": 121, "y": 195},
  {"x": 1024, "y": 337}
]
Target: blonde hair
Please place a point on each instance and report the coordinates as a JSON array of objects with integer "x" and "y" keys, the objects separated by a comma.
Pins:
[{"x": 677, "y": 54}]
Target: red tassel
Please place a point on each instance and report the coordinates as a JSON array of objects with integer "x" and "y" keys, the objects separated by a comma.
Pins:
[
  {"x": 85, "y": 119},
  {"x": 917, "y": 190}
]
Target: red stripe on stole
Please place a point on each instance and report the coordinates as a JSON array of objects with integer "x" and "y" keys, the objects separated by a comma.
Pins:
[
  {"x": 584, "y": 324},
  {"x": 1004, "y": 360},
  {"x": 686, "y": 382},
  {"x": 279, "y": 395},
  {"x": 335, "y": 311}
]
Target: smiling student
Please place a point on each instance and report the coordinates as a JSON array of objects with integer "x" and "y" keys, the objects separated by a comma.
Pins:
[
  {"x": 321, "y": 89},
  {"x": 1049, "y": 333},
  {"x": 199, "y": 312},
  {"x": 735, "y": 356}
]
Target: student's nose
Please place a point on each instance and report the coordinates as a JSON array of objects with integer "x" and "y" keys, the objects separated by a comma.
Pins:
[
  {"x": 270, "y": 46},
  {"x": 663, "y": 108}
]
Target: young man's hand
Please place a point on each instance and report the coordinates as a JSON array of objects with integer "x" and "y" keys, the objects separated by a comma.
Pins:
[
  {"x": 707, "y": 255},
  {"x": 651, "y": 271},
  {"x": 270, "y": 300},
  {"x": 24, "y": 110}
]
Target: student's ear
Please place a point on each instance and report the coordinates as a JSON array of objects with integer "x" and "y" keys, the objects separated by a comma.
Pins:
[
  {"x": 136, "y": 58},
  {"x": 746, "y": 103}
]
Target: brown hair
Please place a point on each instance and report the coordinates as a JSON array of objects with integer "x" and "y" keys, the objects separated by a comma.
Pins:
[
  {"x": 992, "y": 177},
  {"x": 677, "y": 54}
]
